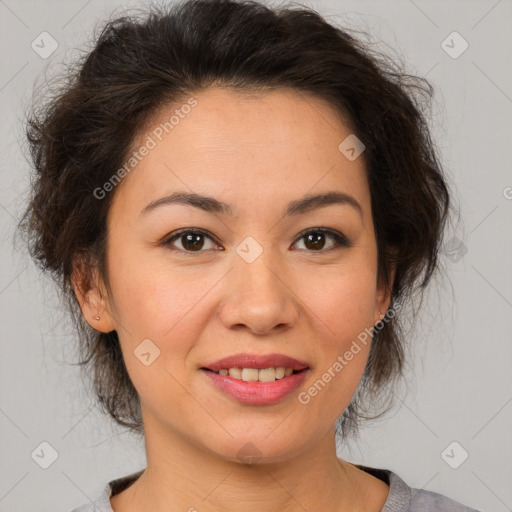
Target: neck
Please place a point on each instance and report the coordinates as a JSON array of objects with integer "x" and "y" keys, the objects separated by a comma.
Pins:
[{"x": 183, "y": 476}]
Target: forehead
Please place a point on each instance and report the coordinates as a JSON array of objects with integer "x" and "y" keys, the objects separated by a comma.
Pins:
[{"x": 278, "y": 145}]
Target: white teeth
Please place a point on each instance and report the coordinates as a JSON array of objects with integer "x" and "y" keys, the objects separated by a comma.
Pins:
[
  {"x": 254, "y": 374},
  {"x": 236, "y": 373},
  {"x": 250, "y": 374},
  {"x": 266, "y": 375}
]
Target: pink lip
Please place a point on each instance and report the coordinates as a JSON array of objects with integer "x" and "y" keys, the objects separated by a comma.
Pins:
[
  {"x": 257, "y": 361},
  {"x": 256, "y": 393}
]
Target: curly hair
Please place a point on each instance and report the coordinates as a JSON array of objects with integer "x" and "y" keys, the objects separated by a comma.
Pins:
[{"x": 162, "y": 54}]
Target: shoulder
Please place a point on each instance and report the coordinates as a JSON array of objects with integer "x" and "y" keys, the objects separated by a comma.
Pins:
[
  {"x": 102, "y": 501},
  {"x": 423, "y": 501},
  {"x": 403, "y": 498}
]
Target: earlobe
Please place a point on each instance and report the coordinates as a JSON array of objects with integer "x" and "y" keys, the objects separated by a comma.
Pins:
[
  {"x": 93, "y": 300},
  {"x": 96, "y": 310},
  {"x": 384, "y": 296}
]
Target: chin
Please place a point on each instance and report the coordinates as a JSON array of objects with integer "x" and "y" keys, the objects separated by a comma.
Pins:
[{"x": 257, "y": 450}]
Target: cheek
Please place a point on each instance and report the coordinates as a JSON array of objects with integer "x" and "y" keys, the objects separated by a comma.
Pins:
[
  {"x": 342, "y": 300},
  {"x": 168, "y": 307},
  {"x": 350, "y": 314},
  {"x": 342, "y": 306},
  {"x": 163, "y": 310},
  {"x": 152, "y": 301}
]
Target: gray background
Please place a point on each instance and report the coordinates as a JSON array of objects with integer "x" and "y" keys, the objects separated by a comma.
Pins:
[{"x": 459, "y": 385}]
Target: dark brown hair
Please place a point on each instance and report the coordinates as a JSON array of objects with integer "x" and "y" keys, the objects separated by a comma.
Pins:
[{"x": 86, "y": 128}]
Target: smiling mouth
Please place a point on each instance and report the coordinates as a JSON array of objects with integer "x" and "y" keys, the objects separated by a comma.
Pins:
[{"x": 256, "y": 374}]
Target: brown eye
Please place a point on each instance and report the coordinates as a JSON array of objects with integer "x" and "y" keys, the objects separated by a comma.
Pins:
[
  {"x": 190, "y": 241},
  {"x": 196, "y": 241},
  {"x": 315, "y": 239}
]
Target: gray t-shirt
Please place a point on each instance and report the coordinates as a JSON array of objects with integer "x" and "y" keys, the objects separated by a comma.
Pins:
[{"x": 401, "y": 497}]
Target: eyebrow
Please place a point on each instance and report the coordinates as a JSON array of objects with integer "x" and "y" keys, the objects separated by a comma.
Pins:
[{"x": 209, "y": 204}]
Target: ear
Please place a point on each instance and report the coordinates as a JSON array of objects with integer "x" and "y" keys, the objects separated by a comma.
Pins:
[
  {"x": 92, "y": 295},
  {"x": 383, "y": 296}
]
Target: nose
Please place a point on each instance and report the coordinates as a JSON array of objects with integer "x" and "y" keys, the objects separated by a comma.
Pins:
[{"x": 258, "y": 297}]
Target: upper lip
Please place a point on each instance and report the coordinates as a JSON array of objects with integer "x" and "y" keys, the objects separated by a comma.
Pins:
[{"x": 257, "y": 361}]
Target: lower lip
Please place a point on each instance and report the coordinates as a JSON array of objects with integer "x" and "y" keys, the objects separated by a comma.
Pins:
[{"x": 257, "y": 393}]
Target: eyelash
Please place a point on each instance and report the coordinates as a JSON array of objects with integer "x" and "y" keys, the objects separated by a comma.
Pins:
[{"x": 341, "y": 241}]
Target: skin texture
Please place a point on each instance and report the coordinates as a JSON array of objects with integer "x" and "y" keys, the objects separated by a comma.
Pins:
[{"x": 257, "y": 153}]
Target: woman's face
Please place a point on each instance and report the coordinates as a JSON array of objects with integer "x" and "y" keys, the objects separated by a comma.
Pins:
[{"x": 247, "y": 280}]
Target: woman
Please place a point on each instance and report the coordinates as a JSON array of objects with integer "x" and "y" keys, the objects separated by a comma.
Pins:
[{"x": 237, "y": 201}]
